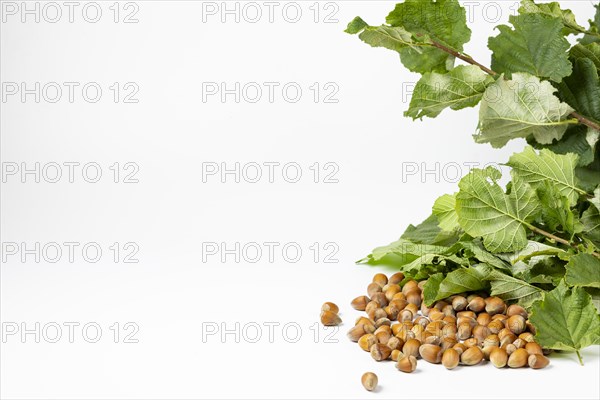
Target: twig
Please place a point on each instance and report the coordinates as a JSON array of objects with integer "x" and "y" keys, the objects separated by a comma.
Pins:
[
  {"x": 556, "y": 238},
  {"x": 582, "y": 119}
]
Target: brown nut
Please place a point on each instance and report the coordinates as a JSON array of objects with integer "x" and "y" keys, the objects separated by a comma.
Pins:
[
  {"x": 471, "y": 342},
  {"x": 373, "y": 288},
  {"x": 405, "y": 315},
  {"x": 495, "y": 305},
  {"x": 356, "y": 332},
  {"x": 380, "y": 279},
  {"x": 396, "y": 354},
  {"x": 398, "y": 303},
  {"x": 407, "y": 363},
  {"x": 464, "y": 331},
  {"x": 329, "y": 318},
  {"x": 448, "y": 343},
  {"x": 484, "y": 319},
  {"x": 518, "y": 358},
  {"x": 380, "y": 352},
  {"x": 410, "y": 285},
  {"x": 460, "y": 348},
  {"x": 516, "y": 324},
  {"x": 391, "y": 291},
  {"x": 411, "y": 347},
  {"x": 329, "y": 306},
  {"x": 516, "y": 309},
  {"x": 394, "y": 343},
  {"x": 379, "y": 313},
  {"x": 431, "y": 353},
  {"x": 382, "y": 321},
  {"x": 435, "y": 314},
  {"x": 367, "y": 341},
  {"x": 486, "y": 350},
  {"x": 498, "y": 357},
  {"x": 414, "y": 297},
  {"x": 491, "y": 340},
  {"x": 396, "y": 278},
  {"x": 533, "y": 348},
  {"x": 481, "y": 332},
  {"x": 510, "y": 348},
  {"x": 360, "y": 303},
  {"x": 527, "y": 336},
  {"x": 459, "y": 303},
  {"x": 471, "y": 356},
  {"x": 537, "y": 361},
  {"x": 412, "y": 308},
  {"x": 476, "y": 304},
  {"x": 450, "y": 358},
  {"x": 380, "y": 298},
  {"x": 369, "y": 381},
  {"x": 495, "y": 326}
]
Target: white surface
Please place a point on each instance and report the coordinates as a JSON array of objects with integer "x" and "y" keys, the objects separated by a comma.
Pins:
[{"x": 170, "y": 293}]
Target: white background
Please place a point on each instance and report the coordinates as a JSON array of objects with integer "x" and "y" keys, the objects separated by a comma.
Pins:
[{"x": 171, "y": 294}]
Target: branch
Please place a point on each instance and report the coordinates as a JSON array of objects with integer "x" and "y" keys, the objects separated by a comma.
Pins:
[
  {"x": 582, "y": 119},
  {"x": 463, "y": 57},
  {"x": 556, "y": 238}
]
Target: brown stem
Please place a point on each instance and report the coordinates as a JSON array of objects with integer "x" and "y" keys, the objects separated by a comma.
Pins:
[
  {"x": 556, "y": 238},
  {"x": 582, "y": 120},
  {"x": 463, "y": 57},
  {"x": 585, "y": 121}
]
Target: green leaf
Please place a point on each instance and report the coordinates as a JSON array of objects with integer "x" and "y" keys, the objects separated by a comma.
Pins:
[
  {"x": 444, "y": 210},
  {"x": 474, "y": 249},
  {"x": 543, "y": 270},
  {"x": 442, "y": 21},
  {"x": 556, "y": 210},
  {"x": 461, "y": 280},
  {"x": 460, "y": 88},
  {"x": 591, "y": 220},
  {"x": 589, "y": 51},
  {"x": 533, "y": 249},
  {"x": 429, "y": 232},
  {"x": 512, "y": 289},
  {"x": 392, "y": 38},
  {"x": 593, "y": 33},
  {"x": 581, "y": 90},
  {"x": 583, "y": 270},
  {"x": 578, "y": 139},
  {"x": 521, "y": 107},
  {"x": 500, "y": 219},
  {"x": 403, "y": 252},
  {"x": 566, "y": 319},
  {"x": 535, "y": 46},
  {"x": 535, "y": 169},
  {"x": 553, "y": 10}
]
